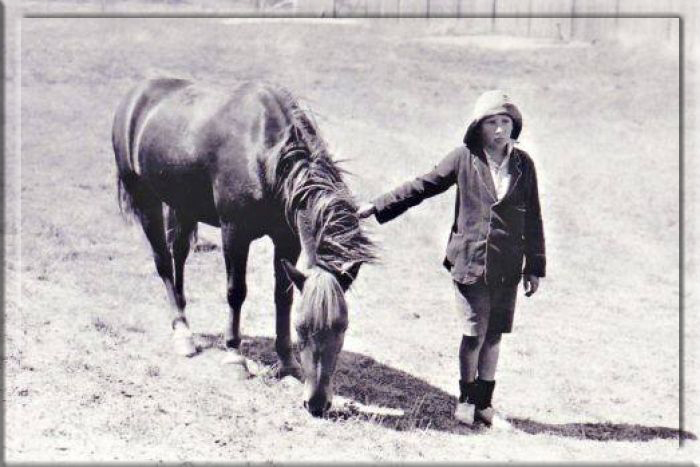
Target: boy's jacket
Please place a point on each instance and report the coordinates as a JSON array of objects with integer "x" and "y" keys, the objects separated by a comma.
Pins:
[{"x": 488, "y": 237}]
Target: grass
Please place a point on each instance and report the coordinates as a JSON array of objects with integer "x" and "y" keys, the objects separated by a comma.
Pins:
[{"x": 582, "y": 376}]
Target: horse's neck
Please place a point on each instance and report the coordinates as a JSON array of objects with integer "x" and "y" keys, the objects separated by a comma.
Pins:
[{"x": 307, "y": 241}]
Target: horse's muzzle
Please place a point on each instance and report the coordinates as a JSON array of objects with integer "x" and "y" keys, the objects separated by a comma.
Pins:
[{"x": 317, "y": 412}]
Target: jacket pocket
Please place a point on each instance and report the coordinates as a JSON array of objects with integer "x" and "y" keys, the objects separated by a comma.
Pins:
[{"x": 466, "y": 255}]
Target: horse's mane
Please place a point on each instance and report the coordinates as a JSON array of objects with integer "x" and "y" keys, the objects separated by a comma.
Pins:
[{"x": 316, "y": 199}]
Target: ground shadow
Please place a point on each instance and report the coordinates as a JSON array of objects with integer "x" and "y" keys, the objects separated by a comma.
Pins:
[{"x": 365, "y": 380}]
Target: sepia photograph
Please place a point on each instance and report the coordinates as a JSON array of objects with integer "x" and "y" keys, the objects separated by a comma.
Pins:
[{"x": 348, "y": 231}]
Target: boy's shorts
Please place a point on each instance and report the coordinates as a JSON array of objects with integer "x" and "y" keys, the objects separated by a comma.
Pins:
[{"x": 485, "y": 308}]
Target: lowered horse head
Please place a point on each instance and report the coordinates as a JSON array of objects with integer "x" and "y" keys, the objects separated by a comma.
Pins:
[
  {"x": 321, "y": 326},
  {"x": 324, "y": 214}
]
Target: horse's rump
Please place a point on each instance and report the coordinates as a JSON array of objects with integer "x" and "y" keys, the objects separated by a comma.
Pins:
[{"x": 188, "y": 145}]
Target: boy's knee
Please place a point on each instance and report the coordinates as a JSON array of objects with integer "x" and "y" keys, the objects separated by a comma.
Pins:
[
  {"x": 493, "y": 338},
  {"x": 472, "y": 342}
]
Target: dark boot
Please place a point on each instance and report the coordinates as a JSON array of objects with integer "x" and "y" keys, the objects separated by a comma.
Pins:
[
  {"x": 484, "y": 393},
  {"x": 464, "y": 412},
  {"x": 484, "y": 412},
  {"x": 468, "y": 392}
]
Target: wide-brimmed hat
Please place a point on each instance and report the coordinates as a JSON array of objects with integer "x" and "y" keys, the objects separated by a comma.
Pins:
[{"x": 494, "y": 102}]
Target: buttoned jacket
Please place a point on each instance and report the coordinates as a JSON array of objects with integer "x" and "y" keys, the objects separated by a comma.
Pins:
[{"x": 489, "y": 237}]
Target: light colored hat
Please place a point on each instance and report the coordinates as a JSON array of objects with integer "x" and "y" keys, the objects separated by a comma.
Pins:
[{"x": 494, "y": 102}]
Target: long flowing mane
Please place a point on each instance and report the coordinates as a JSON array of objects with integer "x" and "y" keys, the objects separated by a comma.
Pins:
[{"x": 316, "y": 199}]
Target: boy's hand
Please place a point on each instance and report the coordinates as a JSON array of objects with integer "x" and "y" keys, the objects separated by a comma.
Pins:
[
  {"x": 530, "y": 284},
  {"x": 366, "y": 210}
]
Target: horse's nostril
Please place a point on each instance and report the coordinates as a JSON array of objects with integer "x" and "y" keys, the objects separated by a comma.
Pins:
[
  {"x": 328, "y": 405},
  {"x": 306, "y": 404}
]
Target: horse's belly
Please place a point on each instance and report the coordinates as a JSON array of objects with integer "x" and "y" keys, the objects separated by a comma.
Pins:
[{"x": 183, "y": 188}]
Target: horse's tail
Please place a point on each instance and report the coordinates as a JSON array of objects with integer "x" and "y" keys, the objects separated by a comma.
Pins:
[
  {"x": 129, "y": 122},
  {"x": 123, "y": 129}
]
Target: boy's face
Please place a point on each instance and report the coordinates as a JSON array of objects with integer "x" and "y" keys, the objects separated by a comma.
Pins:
[{"x": 496, "y": 131}]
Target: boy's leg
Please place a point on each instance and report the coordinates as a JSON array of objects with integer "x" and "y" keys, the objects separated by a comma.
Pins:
[
  {"x": 488, "y": 356},
  {"x": 473, "y": 308},
  {"x": 485, "y": 383},
  {"x": 469, "y": 357},
  {"x": 468, "y": 387}
]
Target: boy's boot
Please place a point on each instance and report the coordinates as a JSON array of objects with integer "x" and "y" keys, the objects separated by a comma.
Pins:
[
  {"x": 464, "y": 413},
  {"x": 484, "y": 412}
]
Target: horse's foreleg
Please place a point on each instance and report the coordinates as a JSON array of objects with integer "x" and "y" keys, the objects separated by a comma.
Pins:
[
  {"x": 285, "y": 249},
  {"x": 236, "y": 247}
]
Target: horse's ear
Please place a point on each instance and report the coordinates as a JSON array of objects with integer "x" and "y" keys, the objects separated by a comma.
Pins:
[
  {"x": 294, "y": 275},
  {"x": 349, "y": 274}
]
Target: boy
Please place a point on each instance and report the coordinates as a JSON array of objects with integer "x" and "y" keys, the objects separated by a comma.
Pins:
[{"x": 497, "y": 224}]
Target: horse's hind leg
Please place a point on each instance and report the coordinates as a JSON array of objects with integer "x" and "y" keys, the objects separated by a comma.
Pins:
[
  {"x": 179, "y": 235},
  {"x": 150, "y": 214},
  {"x": 286, "y": 247}
]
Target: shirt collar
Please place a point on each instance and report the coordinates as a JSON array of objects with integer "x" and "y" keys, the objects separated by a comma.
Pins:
[{"x": 504, "y": 162}]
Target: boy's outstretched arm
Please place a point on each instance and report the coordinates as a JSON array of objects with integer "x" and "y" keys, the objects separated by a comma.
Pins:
[{"x": 394, "y": 203}]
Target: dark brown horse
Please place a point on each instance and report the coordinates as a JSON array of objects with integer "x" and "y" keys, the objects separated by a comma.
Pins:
[{"x": 251, "y": 161}]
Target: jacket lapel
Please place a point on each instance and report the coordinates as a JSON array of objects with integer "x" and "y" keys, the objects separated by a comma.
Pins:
[
  {"x": 515, "y": 170},
  {"x": 482, "y": 168}
]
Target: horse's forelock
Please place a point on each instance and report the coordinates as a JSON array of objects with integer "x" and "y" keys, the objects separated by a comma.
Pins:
[{"x": 322, "y": 304}]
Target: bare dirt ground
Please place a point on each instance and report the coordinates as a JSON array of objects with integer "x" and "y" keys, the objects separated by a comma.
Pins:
[{"x": 590, "y": 373}]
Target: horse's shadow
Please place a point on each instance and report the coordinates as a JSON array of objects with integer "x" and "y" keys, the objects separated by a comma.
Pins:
[{"x": 363, "y": 379}]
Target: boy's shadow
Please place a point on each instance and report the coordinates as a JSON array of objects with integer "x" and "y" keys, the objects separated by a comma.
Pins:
[{"x": 363, "y": 379}]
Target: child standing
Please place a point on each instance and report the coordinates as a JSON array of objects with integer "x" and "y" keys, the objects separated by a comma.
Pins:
[{"x": 497, "y": 224}]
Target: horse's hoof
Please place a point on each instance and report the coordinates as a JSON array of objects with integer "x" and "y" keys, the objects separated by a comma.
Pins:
[
  {"x": 290, "y": 381},
  {"x": 254, "y": 368},
  {"x": 293, "y": 371},
  {"x": 237, "y": 362},
  {"x": 233, "y": 357},
  {"x": 183, "y": 344}
]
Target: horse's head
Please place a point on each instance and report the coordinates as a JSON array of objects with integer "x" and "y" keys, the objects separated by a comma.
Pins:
[{"x": 323, "y": 319}]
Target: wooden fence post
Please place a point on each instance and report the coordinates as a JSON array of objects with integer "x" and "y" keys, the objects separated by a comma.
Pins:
[
  {"x": 493, "y": 16},
  {"x": 572, "y": 34}
]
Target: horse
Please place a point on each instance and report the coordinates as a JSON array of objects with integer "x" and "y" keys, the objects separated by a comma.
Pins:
[{"x": 251, "y": 161}]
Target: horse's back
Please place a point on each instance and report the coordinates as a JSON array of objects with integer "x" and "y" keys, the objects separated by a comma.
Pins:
[{"x": 199, "y": 147}]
